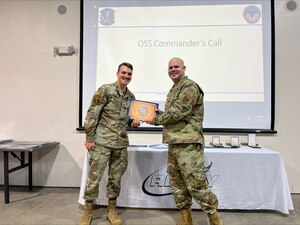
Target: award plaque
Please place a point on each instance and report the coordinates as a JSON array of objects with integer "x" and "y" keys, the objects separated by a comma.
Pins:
[{"x": 142, "y": 110}]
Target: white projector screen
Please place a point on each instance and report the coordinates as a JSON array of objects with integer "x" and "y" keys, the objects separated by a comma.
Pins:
[{"x": 227, "y": 47}]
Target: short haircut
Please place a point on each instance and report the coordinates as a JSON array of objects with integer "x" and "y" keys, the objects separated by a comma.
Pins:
[{"x": 125, "y": 64}]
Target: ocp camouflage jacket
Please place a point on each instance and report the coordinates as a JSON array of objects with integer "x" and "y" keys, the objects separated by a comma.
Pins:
[
  {"x": 183, "y": 115},
  {"x": 107, "y": 119}
]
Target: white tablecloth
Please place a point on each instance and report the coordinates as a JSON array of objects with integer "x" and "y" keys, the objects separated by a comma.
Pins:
[{"x": 242, "y": 178}]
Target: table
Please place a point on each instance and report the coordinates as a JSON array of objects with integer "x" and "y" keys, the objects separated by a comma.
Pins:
[
  {"x": 242, "y": 178},
  {"x": 21, "y": 147}
]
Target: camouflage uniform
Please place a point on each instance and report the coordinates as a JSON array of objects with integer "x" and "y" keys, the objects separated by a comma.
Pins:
[
  {"x": 182, "y": 122},
  {"x": 105, "y": 124}
]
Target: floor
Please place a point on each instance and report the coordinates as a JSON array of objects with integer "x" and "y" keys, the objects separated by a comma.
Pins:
[{"x": 59, "y": 206}]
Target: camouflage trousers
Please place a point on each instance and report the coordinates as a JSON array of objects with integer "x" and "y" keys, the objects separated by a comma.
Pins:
[
  {"x": 187, "y": 177},
  {"x": 100, "y": 156}
]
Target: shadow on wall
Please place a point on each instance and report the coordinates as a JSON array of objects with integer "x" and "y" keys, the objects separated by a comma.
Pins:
[{"x": 56, "y": 168}]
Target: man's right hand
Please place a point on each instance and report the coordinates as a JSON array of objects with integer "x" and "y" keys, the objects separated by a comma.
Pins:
[{"x": 89, "y": 145}]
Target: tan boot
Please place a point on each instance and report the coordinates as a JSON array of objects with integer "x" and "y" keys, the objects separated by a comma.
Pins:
[
  {"x": 112, "y": 215},
  {"x": 186, "y": 217},
  {"x": 86, "y": 219},
  {"x": 214, "y": 219}
]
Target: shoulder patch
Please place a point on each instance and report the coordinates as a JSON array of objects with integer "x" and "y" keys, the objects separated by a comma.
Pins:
[{"x": 186, "y": 99}]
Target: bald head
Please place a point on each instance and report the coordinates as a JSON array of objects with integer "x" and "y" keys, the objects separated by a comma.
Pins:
[
  {"x": 179, "y": 60},
  {"x": 176, "y": 69}
]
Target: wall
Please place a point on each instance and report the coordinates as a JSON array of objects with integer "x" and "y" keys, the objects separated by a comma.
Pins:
[{"x": 39, "y": 92}]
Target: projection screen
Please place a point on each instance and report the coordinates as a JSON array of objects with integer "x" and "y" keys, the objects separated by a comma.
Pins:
[{"x": 227, "y": 47}]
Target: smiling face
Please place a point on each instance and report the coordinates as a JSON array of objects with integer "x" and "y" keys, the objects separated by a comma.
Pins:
[
  {"x": 176, "y": 69},
  {"x": 124, "y": 75}
]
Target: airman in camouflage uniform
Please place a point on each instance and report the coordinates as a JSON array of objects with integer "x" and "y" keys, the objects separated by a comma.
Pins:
[
  {"x": 107, "y": 141},
  {"x": 182, "y": 121}
]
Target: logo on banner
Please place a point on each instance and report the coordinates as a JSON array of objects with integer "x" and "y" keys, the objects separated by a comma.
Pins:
[{"x": 157, "y": 183}]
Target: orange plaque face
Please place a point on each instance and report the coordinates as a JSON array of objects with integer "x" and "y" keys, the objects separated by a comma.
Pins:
[{"x": 142, "y": 110}]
